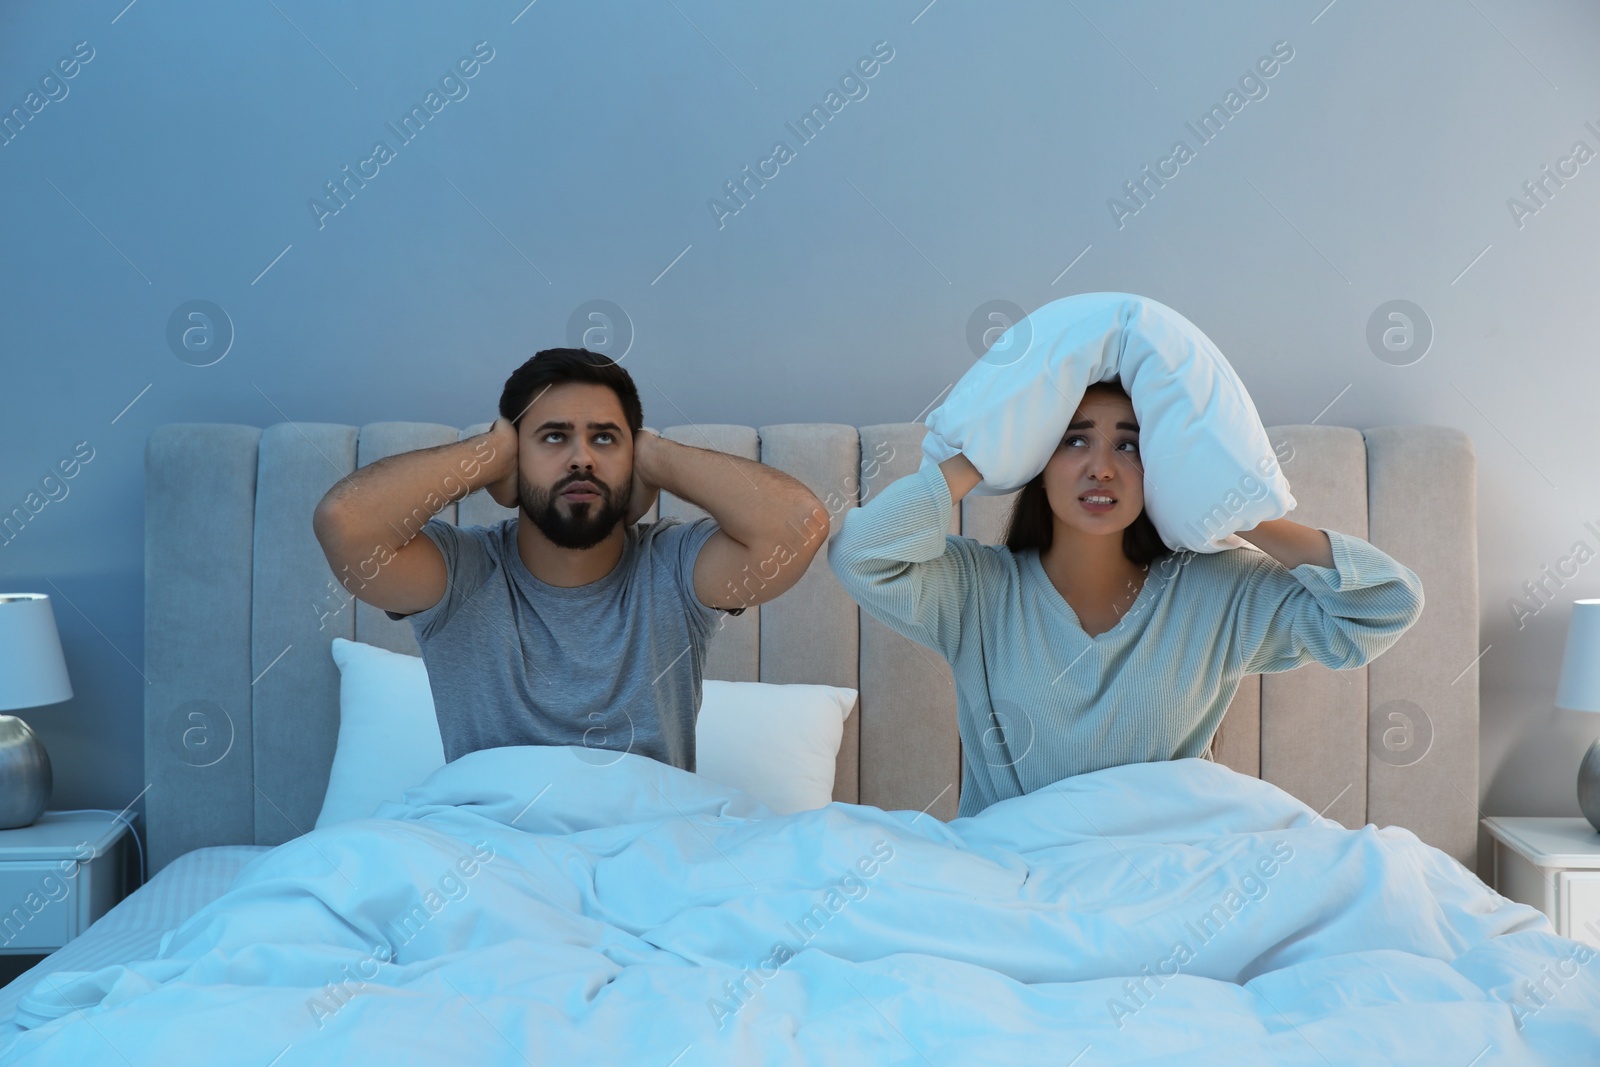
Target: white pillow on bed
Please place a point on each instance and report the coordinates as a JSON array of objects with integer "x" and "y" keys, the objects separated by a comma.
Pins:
[
  {"x": 1209, "y": 469},
  {"x": 776, "y": 742},
  {"x": 388, "y": 732}
]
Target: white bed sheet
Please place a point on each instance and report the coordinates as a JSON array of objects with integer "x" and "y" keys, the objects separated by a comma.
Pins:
[
  {"x": 132, "y": 929},
  {"x": 524, "y": 905}
]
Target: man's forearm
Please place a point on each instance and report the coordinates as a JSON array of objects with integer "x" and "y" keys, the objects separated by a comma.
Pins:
[
  {"x": 753, "y": 503},
  {"x": 386, "y": 503}
]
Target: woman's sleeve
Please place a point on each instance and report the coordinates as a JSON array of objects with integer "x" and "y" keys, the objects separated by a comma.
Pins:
[
  {"x": 896, "y": 558},
  {"x": 1342, "y": 616}
]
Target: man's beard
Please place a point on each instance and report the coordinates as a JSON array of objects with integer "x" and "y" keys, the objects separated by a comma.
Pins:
[{"x": 584, "y": 524}]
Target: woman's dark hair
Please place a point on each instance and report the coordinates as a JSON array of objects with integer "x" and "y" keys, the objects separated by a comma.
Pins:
[
  {"x": 557, "y": 366},
  {"x": 1032, "y": 523}
]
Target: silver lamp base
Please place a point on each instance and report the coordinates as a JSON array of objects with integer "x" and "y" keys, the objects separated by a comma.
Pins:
[
  {"x": 24, "y": 774},
  {"x": 1589, "y": 785}
]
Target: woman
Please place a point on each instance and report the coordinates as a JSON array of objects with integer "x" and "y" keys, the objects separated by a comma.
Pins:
[{"x": 1083, "y": 641}]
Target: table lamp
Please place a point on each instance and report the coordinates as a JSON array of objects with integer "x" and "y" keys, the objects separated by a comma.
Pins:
[
  {"x": 1579, "y": 690},
  {"x": 33, "y": 672}
]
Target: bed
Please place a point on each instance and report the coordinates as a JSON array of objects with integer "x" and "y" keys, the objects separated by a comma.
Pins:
[{"x": 1369, "y": 772}]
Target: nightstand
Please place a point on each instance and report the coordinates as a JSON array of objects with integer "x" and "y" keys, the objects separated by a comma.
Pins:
[
  {"x": 56, "y": 877},
  {"x": 1552, "y": 864}
]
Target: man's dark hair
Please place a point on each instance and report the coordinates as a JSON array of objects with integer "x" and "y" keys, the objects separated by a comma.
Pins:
[
  {"x": 557, "y": 366},
  {"x": 1032, "y": 525}
]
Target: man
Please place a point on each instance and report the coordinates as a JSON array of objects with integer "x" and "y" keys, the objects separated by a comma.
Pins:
[{"x": 567, "y": 624}]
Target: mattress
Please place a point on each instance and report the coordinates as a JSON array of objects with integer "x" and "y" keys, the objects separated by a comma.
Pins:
[{"x": 132, "y": 929}]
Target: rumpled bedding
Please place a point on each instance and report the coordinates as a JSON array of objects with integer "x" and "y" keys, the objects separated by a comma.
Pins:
[{"x": 524, "y": 905}]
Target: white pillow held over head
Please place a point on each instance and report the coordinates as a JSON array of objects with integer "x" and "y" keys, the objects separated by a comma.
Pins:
[{"x": 1209, "y": 469}]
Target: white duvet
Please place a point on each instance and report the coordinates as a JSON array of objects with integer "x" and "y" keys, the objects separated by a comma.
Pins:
[{"x": 524, "y": 905}]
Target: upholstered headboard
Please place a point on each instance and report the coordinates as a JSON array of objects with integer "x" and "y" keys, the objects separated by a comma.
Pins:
[{"x": 241, "y": 713}]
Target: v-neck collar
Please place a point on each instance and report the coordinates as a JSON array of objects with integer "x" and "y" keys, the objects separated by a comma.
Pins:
[{"x": 1052, "y": 596}]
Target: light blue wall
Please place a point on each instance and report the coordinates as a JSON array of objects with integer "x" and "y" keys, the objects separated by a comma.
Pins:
[{"x": 977, "y": 166}]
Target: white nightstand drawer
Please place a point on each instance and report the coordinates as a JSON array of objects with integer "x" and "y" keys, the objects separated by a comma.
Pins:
[
  {"x": 57, "y": 876},
  {"x": 1553, "y": 864},
  {"x": 1579, "y": 893},
  {"x": 38, "y": 906}
]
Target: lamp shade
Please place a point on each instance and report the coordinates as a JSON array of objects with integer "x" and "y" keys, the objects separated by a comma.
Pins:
[
  {"x": 33, "y": 672},
  {"x": 1579, "y": 689}
]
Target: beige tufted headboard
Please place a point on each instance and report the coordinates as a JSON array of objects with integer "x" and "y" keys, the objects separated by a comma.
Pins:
[{"x": 241, "y": 714}]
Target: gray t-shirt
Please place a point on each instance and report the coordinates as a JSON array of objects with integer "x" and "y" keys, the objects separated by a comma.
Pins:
[{"x": 612, "y": 665}]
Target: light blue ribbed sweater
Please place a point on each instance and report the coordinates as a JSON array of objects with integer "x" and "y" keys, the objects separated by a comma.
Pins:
[{"x": 1039, "y": 700}]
